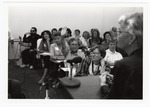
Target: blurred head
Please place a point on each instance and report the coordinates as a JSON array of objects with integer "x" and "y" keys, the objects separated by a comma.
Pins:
[
  {"x": 112, "y": 45},
  {"x": 114, "y": 32},
  {"x": 97, "y": 53},
  {"x": 53, "y": 31},
  {"x": 68, "y": 33},
  {"x": 77, "y": 32},
  {"x": 114, "y": 29},
  {"x": 86, "y": 35},
  {"x": 107, "y": 36},
  {"x": 95, "y": 33},
  {"x": 46, "y": 35},
  {"x": 33, "y": 30},
  {"x": 130, "y": 32},
  {"x": 73, "y": 44},
  {"x": 57, "y": 38}
]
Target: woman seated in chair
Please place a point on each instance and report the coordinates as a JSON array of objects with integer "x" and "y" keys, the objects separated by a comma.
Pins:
[
  {"x": 44, "y": 47},
  {"x": 58, "y": 51},
  {"x": 94, "y": 64}
]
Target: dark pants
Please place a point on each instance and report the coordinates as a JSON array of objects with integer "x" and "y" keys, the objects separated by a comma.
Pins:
[
  {"x": 53, "y": 68},
  {"x": 28, "y": 56}
]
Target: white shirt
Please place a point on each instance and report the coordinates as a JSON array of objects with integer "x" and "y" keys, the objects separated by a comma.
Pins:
[{"x": 112, "y": 57}]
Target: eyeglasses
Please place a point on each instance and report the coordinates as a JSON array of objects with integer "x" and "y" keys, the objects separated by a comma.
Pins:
[
  {"x": 32, "y": 30},
  {"x": 94, "y": 53}
]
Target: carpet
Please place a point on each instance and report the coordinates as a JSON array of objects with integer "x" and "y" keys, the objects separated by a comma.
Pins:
[{"x": 29, "y": 79}]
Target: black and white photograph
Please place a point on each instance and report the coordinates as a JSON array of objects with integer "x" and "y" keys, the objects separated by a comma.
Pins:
[{"x": 75, "y": 51}]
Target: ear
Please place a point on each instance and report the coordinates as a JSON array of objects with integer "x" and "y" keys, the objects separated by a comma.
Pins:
[{"x": 132, "y": 38}]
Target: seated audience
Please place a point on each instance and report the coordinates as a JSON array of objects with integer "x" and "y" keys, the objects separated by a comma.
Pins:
[
  {"x": 77, "y": 36},
  {"x": 114, "y": 32},
  {"x": 58, "y": 51},
  {"x": 94, "y": 64},
  {"x": 77, "y": 33},
  {"x": 53, "y": 32},
  {"x": 106, "y": 39},
  {"x": 29, "y": 41},
  {"x": 67, "y": 35},
  {"x": 74, "y": 52},
  {"x": 111, "y": 55},
  {"x": 44, "y": 46},
  {"x": 85, "y": 39},
  {"x": 128, "y": 72},
  {"x": 95, "y": 38}
]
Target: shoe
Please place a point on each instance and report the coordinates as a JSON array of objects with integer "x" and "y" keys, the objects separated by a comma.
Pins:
[
  {"x": 31, "y": 67},
  {"x": 56, "y": 85},
  {"x": 23, "y": 65}
]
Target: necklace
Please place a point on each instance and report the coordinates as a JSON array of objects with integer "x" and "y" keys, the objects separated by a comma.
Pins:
[{"x": 97, "y": 71}]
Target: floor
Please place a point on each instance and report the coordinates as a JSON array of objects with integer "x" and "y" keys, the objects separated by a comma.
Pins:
[{"x": 29, "y": 79}]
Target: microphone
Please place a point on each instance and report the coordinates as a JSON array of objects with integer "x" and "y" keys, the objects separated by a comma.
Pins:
[
  {"x": 69, "y": 81},
  {"x": 75, "y": 60},
  {"x": 82, "y": 47}
]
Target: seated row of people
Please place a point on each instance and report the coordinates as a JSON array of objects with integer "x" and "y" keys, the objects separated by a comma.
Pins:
[
  {"x": 60, "y": 50},
  {"x": 62, "y": 47},
  {"x": 30, "y": 38}
]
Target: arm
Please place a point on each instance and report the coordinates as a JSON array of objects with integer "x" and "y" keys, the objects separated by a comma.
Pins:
[
  {"x": 25, "y": 40},
  {"x": 104, "y": 83}
]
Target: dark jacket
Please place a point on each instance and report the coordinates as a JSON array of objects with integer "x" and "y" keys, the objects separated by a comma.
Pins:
[
  {"x": 31, "y": 39},
  {"x": 128, "y": 78}
]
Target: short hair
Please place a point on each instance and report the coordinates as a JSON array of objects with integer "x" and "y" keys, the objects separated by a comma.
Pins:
[
  {"x": 133, "y": 23},
  {"x": 48, "y": 32},
  {"x": 87, "y": 33},
  {"x": 57, "y": 34},
  {"x": 114, "y": 29},
  {"x": 77, "y": 30},
  {"x": 104, "y": 35},
  {"x": 72, "y": 40},
  {"x": 34, "y": 28},
  {"x": 100, "y": 49},
  {"x": 53, "y": 30}
]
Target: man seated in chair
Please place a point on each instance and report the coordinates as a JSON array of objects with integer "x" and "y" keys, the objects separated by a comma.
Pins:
[
  {"x": 74, "y": 52},
  {"x": 30, "y": 42}
]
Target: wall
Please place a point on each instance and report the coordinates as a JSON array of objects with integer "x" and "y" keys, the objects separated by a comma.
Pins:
[{"x": 47, "y": 16}]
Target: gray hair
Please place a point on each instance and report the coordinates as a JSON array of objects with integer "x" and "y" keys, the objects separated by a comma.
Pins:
[{"x": 133, "y": 23}]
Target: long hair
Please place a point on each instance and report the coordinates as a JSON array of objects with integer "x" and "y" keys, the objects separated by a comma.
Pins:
[{"x": 48, "y": 32}]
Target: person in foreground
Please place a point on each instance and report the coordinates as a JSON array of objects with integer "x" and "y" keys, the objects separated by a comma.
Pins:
[{"x": 127, "y": 73}]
